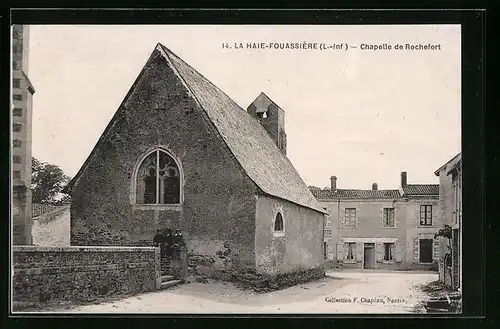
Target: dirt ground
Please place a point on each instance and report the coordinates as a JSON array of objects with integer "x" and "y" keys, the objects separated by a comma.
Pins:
[{"x": 340, "y": 292}]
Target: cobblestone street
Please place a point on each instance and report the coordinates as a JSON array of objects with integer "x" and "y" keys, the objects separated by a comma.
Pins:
[{"x": 339, "y": 292}]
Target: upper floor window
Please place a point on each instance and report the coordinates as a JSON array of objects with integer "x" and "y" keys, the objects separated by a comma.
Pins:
[
  {"x": 16, "y": 174},
  {"x": 350, "y": 217},
  {"x": 278, "y": 223},
  {"x": 158, "y": 180},
  {"x": 16, "y": 127},
  {"x": 426, "y": 215},
  {"x": 16, "y": 159},
  {"x": 16, "y": 143},
  {"x": 388, "y": 220},
  {"x": 17, "y": 112},
  {"x": 17, "y": 97},
  {"x": 14, "y": 65},
  {"x": 16, "y": 83}
]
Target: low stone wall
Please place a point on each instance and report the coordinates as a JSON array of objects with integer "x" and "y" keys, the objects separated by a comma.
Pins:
[
  {"x": 82, "y": 274},
  {"x": 264, "y": 282}
]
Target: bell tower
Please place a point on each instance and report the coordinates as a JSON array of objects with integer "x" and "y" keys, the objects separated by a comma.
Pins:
[{"x": 271, "y": 117}]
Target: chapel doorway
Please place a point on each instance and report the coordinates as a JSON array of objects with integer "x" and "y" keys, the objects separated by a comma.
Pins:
[
  {"x": 426, "y": 250},
  {"x": 369, "y": 255}
]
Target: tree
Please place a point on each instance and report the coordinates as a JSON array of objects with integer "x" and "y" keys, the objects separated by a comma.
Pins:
[
  {"x": 314, "y": 188},
  {"x": 47, "y": 181}
]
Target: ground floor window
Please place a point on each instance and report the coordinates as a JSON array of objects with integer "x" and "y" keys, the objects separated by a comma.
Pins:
[
  {"x": 425, "y": 250},
  {"x": 325, "y": 250},
  {"x": 350, "y": 246},
  {"x": 388, "y": 251}
]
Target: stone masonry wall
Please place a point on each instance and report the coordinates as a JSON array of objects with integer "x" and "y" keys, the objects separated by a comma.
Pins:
[{"x": 81, "y": 274}]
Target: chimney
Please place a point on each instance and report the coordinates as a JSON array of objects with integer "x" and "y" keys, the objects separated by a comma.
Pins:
[
  {"x": 404, "y": 179},
  {"x": 333, "y": 183},
  {"x": 374, "y": 186}
]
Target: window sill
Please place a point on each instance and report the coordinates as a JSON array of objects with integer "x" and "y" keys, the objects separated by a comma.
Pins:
[
  {"x": 279, "y": 234},
  {"x": 388, "y": 227},
  {"x": 175, "y": 206},
  {"x": 388, "y": 262},
  {"x": 426, "y": 226},
  {"x": 349, "y": 261}
]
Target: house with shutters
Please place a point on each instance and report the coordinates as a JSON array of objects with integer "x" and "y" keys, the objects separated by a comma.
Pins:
[
  {"x": 384, "y": 229},
  {"x": 450, "y": 213},
  {"x": 181, "y": 154}
]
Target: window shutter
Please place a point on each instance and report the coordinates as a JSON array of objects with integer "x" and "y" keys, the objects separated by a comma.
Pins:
[
  {"x": 357, "y": 219},
  {"x": 432, "y": 215},
  {"x": 340, "y": 252},
  {"x": 359, "y": 251},
  {"x": 398, "y": 253},
  {"x": 415, "y": 249},
  {"x": 435, "y": 249},
  {"x": 382, "y": 217},
  {"x": 396, "y": 217},
  {"x": 379, "y": 251},
  {"x": 342, "y": 220}
]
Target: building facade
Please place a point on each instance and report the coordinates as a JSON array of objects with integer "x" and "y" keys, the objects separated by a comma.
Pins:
[
  {"x": 21, "y": 114},
  {"x": 372, "y": 228},
  {"x": 450, "y": 211},
  {"x": 180, "y": 154}
]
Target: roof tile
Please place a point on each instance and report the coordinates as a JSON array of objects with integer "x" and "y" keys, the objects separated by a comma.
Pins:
[
  {"x": 356, "y": 194},
  {"x": 421, "y": 189}
]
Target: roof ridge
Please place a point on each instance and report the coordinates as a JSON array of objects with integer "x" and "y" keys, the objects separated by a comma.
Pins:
[
  {"x": 169, "y": 52},
  {"x": 422, "y": 184},
  {"x": 356, "y": 189}
]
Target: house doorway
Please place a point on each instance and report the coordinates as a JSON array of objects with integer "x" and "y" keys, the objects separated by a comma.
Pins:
[
  {"x": 369, "y": 255},
  {"x": 426, "y": 250}
]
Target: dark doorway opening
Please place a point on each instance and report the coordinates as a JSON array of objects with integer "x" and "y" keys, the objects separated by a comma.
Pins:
[
  {"x": 426, "y": 250},
  {"x": 369, "y": 255},
  {"x": 325, "y": 250}
]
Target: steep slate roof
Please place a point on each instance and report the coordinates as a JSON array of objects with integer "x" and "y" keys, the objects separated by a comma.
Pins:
[
  {"x": 249, "y": 142},
  {"x": 420, "y": 189},
  {"x": 356, "y": 194}
]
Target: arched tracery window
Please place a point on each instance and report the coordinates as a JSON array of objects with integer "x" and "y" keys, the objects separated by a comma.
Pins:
[
  {"x": 158, "y": 180},
  {"x": 278, "y": 223}
]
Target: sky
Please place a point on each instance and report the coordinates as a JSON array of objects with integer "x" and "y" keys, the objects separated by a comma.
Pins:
[{"x": 361, "y": 115}]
